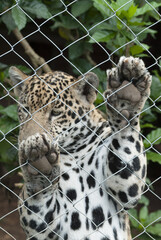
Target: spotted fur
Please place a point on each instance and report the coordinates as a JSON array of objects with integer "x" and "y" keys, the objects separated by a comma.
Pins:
[{"x": 81, "y": 172}]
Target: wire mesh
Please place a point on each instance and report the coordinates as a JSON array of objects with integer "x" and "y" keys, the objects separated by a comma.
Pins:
[{"x": 7, "y": 95}]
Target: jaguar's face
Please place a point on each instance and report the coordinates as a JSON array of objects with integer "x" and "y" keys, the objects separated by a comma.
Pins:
[{"x": 55, "y": 103}]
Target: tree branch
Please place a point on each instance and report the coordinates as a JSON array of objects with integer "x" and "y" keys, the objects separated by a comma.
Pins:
[{"x": 36, "y": 60}]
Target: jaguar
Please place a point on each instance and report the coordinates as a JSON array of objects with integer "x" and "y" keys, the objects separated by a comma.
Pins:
[{"x": 82, "y": 170}]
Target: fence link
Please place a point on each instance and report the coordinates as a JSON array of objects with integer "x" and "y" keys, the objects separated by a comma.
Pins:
[{"x": 66, "y": 15}]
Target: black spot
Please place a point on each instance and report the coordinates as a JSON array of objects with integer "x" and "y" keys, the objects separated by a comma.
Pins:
[
  {"x": 105, "y": 238},
  {"x": 87, "y": 203},
  {"x": 49, "y": 202},
  {"x": 136, "y": 164},
  {"x": 67, "y": 164},
  {"x": 116, "y": 144},
  {"x": 65, "y": 176},
  {"x": 138, "y": 147},
  {"x": 92, "y": 139},
  {"x": 66, "y": 236},
  {"x": 32, "y": 224},
  {"x": 77, "y": 120},
  {"x": 71, "y": 194},
  {"x": 49, "y": 217},
  {"x": 76, "y": 170},
  {"x": 131, "y": 139},
  {"x": 80, "y": 111},
  {"x": 57, "y": 228},
  {"x": 91, "y": 181},
  {"x": 91, "y": 159},
  {"x": 41, "y": 227},
  {"x": 34, "y": 208},
  {"x": 82, "y": 147},
  {"x": 123, "y": 197},
  {"x": 143, "y": 171},
  {"x": 87, "y": 224},
  {"x": 113, "y": 191},
  {"x": 51, "y": 235},
  {"x": 97, "y": 217},
  {"x": 109, "y": 218},
  {"x": 82, "y": 185},
  {"x": 58, "y": 206},
  {"x": 26, "y": 204},
  {"x": 75, "y": 221},
  {"x": 133, "y": 190},
  {"x": 116, "y": 164},
  {"x": 101, "y": 191},
  {"x": 73, "y": 115},
  {"x": 126, "y": 173},
  {"x": 70, "y": 103},
  {"x": 97, "y": 163},
  {"x": 33, "y": 238},
  {"x": 24, "y": 221},
  {"x": 115, "y": 234},
  {"x": 127, "y": 150}
]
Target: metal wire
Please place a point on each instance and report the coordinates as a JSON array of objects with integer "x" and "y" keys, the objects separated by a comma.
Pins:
[{"x": 77, "y": 163}]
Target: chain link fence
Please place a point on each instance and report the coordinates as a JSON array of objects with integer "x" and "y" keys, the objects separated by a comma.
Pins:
[{"x": 87, "y": 36}]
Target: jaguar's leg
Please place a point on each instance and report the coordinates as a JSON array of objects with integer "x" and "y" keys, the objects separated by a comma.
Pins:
[
  {"x": 128, "y": 88},
  {"x": 39, "y": 160}
]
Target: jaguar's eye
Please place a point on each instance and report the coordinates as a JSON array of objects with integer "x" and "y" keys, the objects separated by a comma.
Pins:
[{"x": 55, "y": 113}]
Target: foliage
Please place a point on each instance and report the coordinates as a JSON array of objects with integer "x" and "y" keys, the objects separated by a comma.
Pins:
[
  {"x": 8, "y": 122},
  {"x": 141, "y": 219},
  {"x": 119, "y": 27},
  {"x": 149, "y": 120}
]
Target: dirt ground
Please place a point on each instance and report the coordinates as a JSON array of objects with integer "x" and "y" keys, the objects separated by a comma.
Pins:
[{"x": 10, "y": 223}]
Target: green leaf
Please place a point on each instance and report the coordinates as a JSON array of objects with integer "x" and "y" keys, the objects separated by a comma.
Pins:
[
  {"x": 67, "y": 22},
  {"x": 78, "y": 49},
  {"x": 82, "y": 64},
  {"x": 8, "y": 21},
  {"x": 19, "y": 17},
  {"x": 3, "y": 66},
  {"x": 155, "y": 229},
  {"x": 103, "y": 7},
  {"x": 136, "y": 49},
  {"x": 147, "y": 125},
  {"x": 102, "y": 36},
  {"x": 155, "y": 88},
  {"x": 143, "y": 214},
  {"x": 80, "y": 7},
  {"x": 38, "y": 9},
  {"x": 144, "y": 200},
  {"x": 7, "y": 124},
  {"x": 146, "y": 8},
  {"x": 154, "y": 157},
  {"x": 152, "y": 137},
  {"x": 5, "y": 153},
  {"x": 131, "y": 11},
  {"x": 10, "y": 111},
  {"x": 152, "y": 217},
  {"x": 122, "y": 5},
  {"x": 133, "y": 215}
]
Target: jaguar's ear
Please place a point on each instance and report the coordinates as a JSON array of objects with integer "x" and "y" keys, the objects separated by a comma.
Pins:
[
  {"x": 87, "y": 86},
  {"x": 17, "y": 77}
]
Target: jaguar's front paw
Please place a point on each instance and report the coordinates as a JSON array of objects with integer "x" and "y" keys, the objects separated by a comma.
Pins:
[
  {"x": 39, "y": 156},
  {"x": 128, "y": 88}
]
